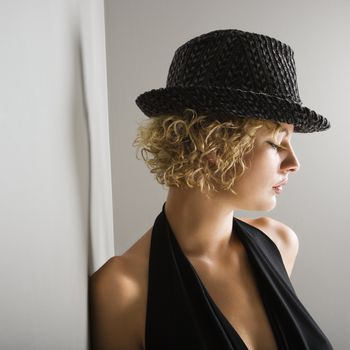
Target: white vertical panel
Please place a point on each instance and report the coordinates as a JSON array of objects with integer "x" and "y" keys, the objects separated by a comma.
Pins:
[
  {"x": 95, "y": 86},
  {"x": 53, "y": 134}
]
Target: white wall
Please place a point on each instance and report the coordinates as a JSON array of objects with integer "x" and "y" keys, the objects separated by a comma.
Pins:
[
  {"x": 56, "y": 221},
  {"x": 141, "y": 41}
]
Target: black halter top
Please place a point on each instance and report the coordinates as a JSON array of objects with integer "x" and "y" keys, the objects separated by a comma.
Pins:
[{"x": 181, "y": 315}]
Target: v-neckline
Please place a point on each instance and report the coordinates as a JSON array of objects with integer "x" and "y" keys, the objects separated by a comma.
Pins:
[
  {"x": 176, "y": 290},
  {"x": 204, "y": 289}
]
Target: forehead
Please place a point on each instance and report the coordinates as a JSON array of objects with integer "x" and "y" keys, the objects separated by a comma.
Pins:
[{"x": 287, "y": 128}]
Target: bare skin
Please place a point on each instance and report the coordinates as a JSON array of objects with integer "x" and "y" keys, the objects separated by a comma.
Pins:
[{"x": 203, "y": 229}]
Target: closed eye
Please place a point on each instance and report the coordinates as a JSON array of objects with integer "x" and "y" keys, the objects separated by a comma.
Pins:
[
  {"x": 277, "y": 147},
  {"x": 273, "y": 145}
]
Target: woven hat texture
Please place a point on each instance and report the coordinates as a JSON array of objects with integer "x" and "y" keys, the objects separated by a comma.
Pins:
[{"x": 233, "y": 73}]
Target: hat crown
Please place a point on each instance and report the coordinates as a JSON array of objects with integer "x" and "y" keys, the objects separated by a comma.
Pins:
[
  {"x": 230, "y": 73},
  {"x": 232, "y": 58}
]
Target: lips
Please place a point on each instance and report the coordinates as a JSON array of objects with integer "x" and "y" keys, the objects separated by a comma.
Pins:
[{"x": 283, "y": 182}]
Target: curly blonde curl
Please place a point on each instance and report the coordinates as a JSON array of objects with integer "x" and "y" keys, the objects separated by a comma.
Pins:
[{"x": 180, "y": 150}]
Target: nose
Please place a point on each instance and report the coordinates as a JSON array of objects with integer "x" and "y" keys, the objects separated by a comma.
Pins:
[{"x": 291, "y": 162}]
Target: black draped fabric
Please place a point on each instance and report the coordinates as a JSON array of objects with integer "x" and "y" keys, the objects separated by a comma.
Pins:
[{"x": 181, "y": 314}]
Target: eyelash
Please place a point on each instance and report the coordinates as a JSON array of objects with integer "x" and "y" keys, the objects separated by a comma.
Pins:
[{"x": 277, "y": 147}]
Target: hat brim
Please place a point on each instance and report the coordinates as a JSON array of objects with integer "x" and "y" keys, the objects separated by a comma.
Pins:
[{"x": 225, "y": 102}]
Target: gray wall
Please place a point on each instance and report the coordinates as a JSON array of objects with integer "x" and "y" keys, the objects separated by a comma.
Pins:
[
  {"x": 56, "y": 222},
  {"x": 141, "y": 40}
]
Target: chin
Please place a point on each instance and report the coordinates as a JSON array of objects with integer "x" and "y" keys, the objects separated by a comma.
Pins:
[
  {"x": 261, "y": 206},
  {"x": 272, "y": 205},
  {"x": 266, "y": 205}
]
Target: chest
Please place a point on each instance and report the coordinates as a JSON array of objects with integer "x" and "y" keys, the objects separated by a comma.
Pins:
[
  {"x": 232, "y": 286},
  {"x": 235, "y": 292}
]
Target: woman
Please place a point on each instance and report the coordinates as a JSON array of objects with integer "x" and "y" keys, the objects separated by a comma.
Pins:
[{"x": 219, "y": 136}]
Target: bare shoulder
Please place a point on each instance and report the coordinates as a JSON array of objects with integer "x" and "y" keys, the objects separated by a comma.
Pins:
[
  {"x": 282, "y": 235},
  {"x": 117, "y": 295},
  {"x": 114, "y": 300}
]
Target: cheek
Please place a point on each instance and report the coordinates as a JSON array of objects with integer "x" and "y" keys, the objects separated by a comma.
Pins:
[
  {"x": 267, "y": 156},
  {"x": 265, "y": 166}
]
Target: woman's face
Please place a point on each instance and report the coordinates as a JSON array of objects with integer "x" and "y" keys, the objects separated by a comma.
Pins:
[{"x": 269, "y": 166}]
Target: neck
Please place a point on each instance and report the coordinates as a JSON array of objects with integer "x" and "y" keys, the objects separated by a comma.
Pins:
[{"x": 202, "y": 226}]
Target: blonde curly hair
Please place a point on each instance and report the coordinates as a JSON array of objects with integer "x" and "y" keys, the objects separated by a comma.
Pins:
[{"x": 180, "y": 150}]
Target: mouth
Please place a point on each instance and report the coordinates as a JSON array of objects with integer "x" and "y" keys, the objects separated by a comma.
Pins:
[
  {"x": 278, "y": 187},
  {"x": 283, "y": 182}
]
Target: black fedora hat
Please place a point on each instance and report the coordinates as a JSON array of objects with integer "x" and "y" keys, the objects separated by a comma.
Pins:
[{"x": 230, "y": 72}]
